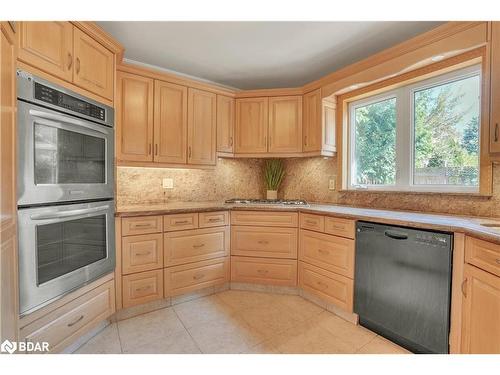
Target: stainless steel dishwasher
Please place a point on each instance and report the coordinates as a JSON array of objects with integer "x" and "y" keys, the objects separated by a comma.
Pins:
[{"x": 402, "y": 285}]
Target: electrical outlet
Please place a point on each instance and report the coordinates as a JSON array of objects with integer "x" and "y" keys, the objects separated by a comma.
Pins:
[
  {"x": 331, "y": 184},
  {"x": 168, "y": 183}
]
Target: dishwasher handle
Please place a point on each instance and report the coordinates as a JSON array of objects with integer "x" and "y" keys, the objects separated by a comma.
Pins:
[{"x": 396, "y": 234}]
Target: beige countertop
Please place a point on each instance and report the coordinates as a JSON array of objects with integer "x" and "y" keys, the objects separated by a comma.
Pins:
[{"x": 448, "y": 223}]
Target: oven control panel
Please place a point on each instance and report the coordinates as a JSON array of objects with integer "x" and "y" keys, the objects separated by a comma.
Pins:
[{"x": 60, "y": 99}]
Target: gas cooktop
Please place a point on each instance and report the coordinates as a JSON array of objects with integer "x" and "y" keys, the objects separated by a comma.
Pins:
[{"x": 277, "y": 202}]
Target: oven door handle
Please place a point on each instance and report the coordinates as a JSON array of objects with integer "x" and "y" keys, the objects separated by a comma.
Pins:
[
  {"x": 66, "y": 119},
  {"x": 61, "y": 214}
]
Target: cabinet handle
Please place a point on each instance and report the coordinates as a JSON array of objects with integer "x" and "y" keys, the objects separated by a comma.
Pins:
[
  {"x": 156, "y": 149},
  {"x": 321, "y": 251},
  {"x": 189, "y": 151},
  {"x": 230, "y": 141},
  {"x": 464, "y": 288},
  {"x": 312, "y": 222},
  {"x": 214, "y": 220},
  {"x": 181, "y": 222},
  {"x": 142, "y": 225},
  {"x": 198, "y": 246},
  {"x": 340, "y": 227},
  {"x": 198, "y": 277},
  {"x": 497, "y": 260},
  {"x": 263, "y": 242},
  {"x": 77, "y": 66},
  {"x": 76, "y": 321},
  {"x": 144, "y": 288},
  {"x": 70, "y": 60},
  {"x": 321, "y": 284},
  {"x": 143, "y": 254},
  {"x": 262, "y": 271},
  {"x": 496, "y": 132},
  {"x": 149, "y": 149},
  {"x": 305, "y": 140}
]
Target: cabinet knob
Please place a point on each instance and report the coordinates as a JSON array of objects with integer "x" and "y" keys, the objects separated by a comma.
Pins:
[{"x": 496, "y": 132}]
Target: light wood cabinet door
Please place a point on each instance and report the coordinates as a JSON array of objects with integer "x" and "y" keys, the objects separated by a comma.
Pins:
[
  {"x": 311, "y": 123},
  {"x": 194, "y": 245},
  {"x": 142, "y": 225},
  {"x": 139, "y": 288},
  {"x": 134, "y": 112},
  {"x": 94, "y": 65},
  {"x": 495, "y": 89},
  {"x": 483, "y": 254},
  {"x": 267, "y": 218},
  {"x": 264, "y": 271},
  {"x": 8, "y": 201},
  {"x": 285, "y": 124},
  {"x": 194, "y": 276},
  {"x": 225, "y": 123},
  {"x": 202, "y": 127},
  {"x": 269, "y": 242},
  {"x": 329, "y": 130},
  {"x": 340, "y": 227},
  {"x": 480, "y": 312},
  {"x": 142, "y": 253},
  {"x": 213, "y": 219},
  {"x": 47, "y": 46},
  {"x": 170, "y": 123},
  {"x": 180, "y": 221},
  {"x": 312, "y": 222},
  {"x": 251, "y": 125}
]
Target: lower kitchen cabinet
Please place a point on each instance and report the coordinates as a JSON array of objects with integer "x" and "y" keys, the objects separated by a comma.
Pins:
[
  {"x": 281, "y": 272},
  {"x": 66, "y": 323},
  {"x": 270, "y": 242},
  {"x": 190, "y": 277},
  {"x": 142, "y": 253},
  {"x": 480, "y": 312},
  {"x": 329, "y": 286},
  {"x": 142, "y": 287}
]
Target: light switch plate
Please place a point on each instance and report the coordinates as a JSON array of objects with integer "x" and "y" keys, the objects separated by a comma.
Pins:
[
  {"x": 331, "y": 184},
  {"x": 168, "y": 183}
]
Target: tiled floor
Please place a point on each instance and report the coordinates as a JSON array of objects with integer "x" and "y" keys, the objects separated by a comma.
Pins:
[{"x": 238, "y": 322}]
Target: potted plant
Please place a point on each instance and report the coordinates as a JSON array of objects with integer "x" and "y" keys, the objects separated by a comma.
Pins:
[{"x": 274, "y": 171}]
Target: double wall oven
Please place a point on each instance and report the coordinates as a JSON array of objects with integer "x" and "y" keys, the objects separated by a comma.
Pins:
[{"x": 65, "y": 191}]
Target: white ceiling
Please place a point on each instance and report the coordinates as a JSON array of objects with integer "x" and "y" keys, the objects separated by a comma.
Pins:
[{"x": 254, "y": 55}]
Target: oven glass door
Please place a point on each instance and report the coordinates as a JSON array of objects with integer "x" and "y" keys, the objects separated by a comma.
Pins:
[
  {"x": 62, "y": 158},
  {"x": 62, "y": 248}
]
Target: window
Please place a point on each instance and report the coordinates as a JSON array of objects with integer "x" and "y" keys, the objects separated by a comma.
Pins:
[{"x": 420, "y": 137}]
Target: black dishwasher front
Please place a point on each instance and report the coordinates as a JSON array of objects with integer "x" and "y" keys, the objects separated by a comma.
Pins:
[{"x": 402, "y": 285}]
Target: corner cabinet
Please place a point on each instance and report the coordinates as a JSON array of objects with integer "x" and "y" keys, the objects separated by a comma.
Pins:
[
  {"x": 65, "y": 51},
  {"x": 160, "y": 123},
  {"x": 285, "y": 124},
  {"x": 319, "y": 131}
]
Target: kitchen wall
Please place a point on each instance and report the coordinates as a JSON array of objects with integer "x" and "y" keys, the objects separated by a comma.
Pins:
[{"x": 307, "y": 178}]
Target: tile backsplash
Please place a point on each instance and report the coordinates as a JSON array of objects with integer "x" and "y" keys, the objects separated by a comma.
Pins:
[{"x": 306, "y": 178}]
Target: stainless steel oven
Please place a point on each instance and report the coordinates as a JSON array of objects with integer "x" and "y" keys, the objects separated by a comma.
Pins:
[
  {"x": 62, "y": 248},
  {"x": 65, "y": 143}
]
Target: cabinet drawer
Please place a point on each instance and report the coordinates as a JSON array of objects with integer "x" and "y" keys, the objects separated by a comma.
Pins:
[
  {"x": 195, "y": 245},
  {"x": 264, "y": 242},
  {"x": 190, "y": 277},
  {"x": 141, "y": 225},
  {"x": 483, "y": 254},
  {"x": 142, "y": 253},
  {"x": 264, "y": 271},
  {"x": 312, "y": 222},
  {"x": 332, "y": 253},
  {"x": 213, "y": 219},
  {"x": 267, "y": 218},
  {"x": 329, "y": 286},
  {"x": 339, "y": 227},
  {"x": 63, "y": 325},
  {"x": 142, "y": 287},
  {"x": 180, "y": 222}
]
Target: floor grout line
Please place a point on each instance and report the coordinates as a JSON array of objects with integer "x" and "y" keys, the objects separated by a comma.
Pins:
[{"x": 187, "y": 331}]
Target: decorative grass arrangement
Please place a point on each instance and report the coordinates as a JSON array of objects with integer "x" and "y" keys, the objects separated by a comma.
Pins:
[{"x": 274, "y": 171}]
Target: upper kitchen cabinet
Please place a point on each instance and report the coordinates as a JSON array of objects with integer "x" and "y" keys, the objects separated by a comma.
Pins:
[
  {"x": 285, "y": 124},
  {"x": 79, "y": 53},
  {"x": 202, "y": 112},
  {"x": 251, "y": 125},
  {"x": 134, "y": 116},
  {"x": 94, "y": 65},
  {"x": 495, "y": 89},
  {"x": 225, "y": 124},
  {"x": 318, "y": 124},
  {"x": 47, "y": 46},
  {"x": 170, "y": 123}
]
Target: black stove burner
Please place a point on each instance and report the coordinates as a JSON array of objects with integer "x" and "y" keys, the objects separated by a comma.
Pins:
[{"x": 283, "y": 202}]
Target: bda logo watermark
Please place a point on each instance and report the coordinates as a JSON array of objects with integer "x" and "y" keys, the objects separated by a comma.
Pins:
[{"x": 11, "y": 346}]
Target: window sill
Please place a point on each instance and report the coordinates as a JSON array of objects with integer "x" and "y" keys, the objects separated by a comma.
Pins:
[{"x": 417, "y": 192}]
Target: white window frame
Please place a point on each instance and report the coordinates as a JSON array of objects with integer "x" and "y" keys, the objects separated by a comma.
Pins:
[{"x": 405, "y": 135}]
